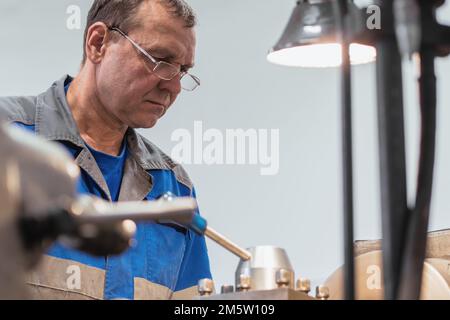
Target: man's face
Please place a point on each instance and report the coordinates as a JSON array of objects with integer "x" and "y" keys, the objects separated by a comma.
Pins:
[{"x": 126, "y": 86}]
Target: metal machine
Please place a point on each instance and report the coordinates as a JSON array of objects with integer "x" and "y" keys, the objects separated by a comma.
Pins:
[
  {"x": 267, "y": 275},
  {"x": 435, "y": 284}
]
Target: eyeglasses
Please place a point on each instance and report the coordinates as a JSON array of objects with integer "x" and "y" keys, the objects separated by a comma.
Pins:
[{"x": 163, "y": 69}]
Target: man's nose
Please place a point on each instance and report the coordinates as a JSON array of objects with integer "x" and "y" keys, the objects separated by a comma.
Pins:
[{"x": 173, "y": 86}]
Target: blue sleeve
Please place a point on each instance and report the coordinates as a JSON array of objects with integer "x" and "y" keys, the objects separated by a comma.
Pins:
[
  {"x": 195, "y": 265},
  {"x": 30, "y": 128}
]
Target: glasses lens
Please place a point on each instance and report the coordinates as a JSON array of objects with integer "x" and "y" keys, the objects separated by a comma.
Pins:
[
  {"x": 165, "y": 70},
  {"x": 190, "y": 82}
]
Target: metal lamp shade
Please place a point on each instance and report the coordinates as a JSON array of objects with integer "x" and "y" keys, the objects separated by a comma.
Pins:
[{"x": 311, "y": 37}]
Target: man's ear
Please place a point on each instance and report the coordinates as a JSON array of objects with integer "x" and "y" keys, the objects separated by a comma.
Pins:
[{"x": 96, "y": 40}]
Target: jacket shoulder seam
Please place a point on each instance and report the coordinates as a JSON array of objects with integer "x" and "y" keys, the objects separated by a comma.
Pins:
[{"x": 20, "y": 109}]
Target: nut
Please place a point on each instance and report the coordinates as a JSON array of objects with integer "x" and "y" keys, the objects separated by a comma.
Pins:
[
  {"x": 322, "y": 292},
  {"x": 244, "y": 283},
  {"x": 205, "y": 287},
  {"x": 227, "y": 289},
  {"x": 304, "y": 285},
  {"x": 283, "y": 278}
]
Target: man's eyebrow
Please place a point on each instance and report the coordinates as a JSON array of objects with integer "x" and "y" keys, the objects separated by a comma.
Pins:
[
  {"x": 165, "y": 54},
  {"x": 160, "y": 52},
  {"x": 186, "y": 67}
]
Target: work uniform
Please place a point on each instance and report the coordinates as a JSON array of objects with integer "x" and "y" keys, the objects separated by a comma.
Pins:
[{"x": 166, "y": 261}]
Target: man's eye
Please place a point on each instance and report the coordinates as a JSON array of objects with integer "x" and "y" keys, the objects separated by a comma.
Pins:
[
  {"x": 146, "y": 57},
  {"x": 160, "y": 59}
]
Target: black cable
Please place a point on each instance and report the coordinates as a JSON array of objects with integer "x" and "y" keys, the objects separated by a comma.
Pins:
[{"x": 415, "y": 245}]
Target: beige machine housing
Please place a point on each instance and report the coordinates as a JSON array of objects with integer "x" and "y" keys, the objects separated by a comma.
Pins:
[{"x": 369, "y": 273}]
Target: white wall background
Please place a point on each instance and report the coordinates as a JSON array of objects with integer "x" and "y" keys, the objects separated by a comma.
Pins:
[{"x": 300, "y": 208}]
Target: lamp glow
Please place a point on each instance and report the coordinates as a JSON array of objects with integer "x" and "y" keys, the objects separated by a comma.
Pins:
[{"x": 323, "y": 55}]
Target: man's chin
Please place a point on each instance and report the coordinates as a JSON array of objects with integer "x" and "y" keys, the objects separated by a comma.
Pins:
[{"x": 148, "y": 124}]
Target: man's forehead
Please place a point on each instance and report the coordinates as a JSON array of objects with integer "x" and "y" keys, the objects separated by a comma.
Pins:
[
  {"x": 154, "y": 17},
  {"x": 168, "y": 45},
  {"x": 172, "y": 46},
  {"x": 162, "y": 32},
  {"x": 175, "y": 31}
]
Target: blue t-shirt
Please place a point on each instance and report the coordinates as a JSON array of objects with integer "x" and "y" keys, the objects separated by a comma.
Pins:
[{"x": 112, "y": 169}]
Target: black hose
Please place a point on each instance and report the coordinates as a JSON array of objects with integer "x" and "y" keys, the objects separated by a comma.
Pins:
[{"x": 415, "y": 244}]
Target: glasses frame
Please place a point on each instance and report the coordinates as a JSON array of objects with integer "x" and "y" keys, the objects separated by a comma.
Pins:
[{"x": 158, "y": 64}]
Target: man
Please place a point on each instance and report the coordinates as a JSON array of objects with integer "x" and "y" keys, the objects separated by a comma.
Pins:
[{"x": 137, "y": 54}]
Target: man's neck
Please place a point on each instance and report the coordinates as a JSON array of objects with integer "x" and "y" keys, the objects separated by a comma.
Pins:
[{"x": 97, "y": 128}]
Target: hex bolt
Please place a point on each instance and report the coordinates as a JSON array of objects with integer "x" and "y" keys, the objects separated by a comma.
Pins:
[
  {"x": 227, "y": 289},
  {"x": 322, "y": 292},
  {"x": 304, "y": 285},
  {"x": 244, "y": 283},
  {"x": 283, "y": 278},
  {"x": 205, "y": 287}
]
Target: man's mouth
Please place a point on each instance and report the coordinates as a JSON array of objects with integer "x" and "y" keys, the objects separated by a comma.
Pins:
[
  {"x": 156, "y": 103},
  {"x": 157, "y": 107}
]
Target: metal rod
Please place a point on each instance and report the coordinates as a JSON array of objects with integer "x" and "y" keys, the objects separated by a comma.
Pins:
[
  {"x": 227, "y": 244},
  {"x": 391, "y": 150},
  {"x": 341, "y": 11},
  {"x": 415, "y": 247},
  {"x": 90, "y": 210}
]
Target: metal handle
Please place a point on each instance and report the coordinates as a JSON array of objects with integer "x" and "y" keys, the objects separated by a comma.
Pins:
[
  {"x": 91, "y": 210},
  {"x": 227, "y": 244}
]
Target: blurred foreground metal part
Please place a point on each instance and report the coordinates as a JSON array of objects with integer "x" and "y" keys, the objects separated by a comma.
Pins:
[
  {"x": 25, "y": 163},
  {"x": 92, "y": 210},
  {"x": 40, "y": 205}
]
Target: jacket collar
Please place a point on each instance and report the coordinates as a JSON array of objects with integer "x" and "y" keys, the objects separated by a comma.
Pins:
[{"x": 54, "y": 120}]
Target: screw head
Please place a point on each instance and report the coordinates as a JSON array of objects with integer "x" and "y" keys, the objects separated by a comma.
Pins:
[
  {"x": 283, "y": 278},
  {"x": 205, "y": 287},
  {"x": 322, "y": 292},
  {"x": 304, "y": 285}
]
